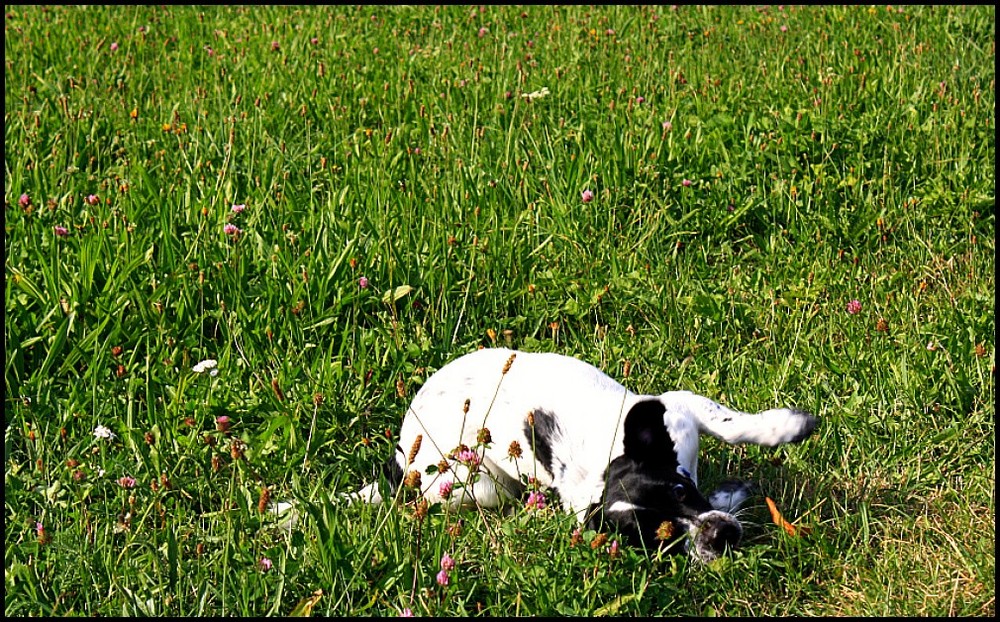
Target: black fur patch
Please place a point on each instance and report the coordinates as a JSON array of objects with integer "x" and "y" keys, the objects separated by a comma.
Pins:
[
  {"x": 541, "y": 437},
  {"x": 392, "y": 473},
  {"x": 645, "y": 477}
]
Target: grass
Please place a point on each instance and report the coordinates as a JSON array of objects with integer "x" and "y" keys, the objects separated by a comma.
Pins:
[{"x": 753, "y": 170}]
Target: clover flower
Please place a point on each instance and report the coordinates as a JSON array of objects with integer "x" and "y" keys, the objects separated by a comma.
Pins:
[
  {"x": 854, "y": 307},
  {"x": 363, "y": 282},
  {"x": 24, "y": 201},
  {"x": 468, "y": 457},
  {"x": 536, "y": 501},
  {"x": 587, "y": 196},
  {"x": 238, "y": 207},
  {"x": 445, "y": 488},
  {"x": 61, "y": 231},
  {"x": 447, "y": 563},
  {"x": 442, "y": 578},
  {"x": 126, "y": 481}
]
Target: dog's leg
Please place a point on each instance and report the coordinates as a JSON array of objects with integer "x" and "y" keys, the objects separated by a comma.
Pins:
[{"x": 770, "y": 427}]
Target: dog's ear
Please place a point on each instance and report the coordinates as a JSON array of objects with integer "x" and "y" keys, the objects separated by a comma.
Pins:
[{"x": 646, "y": 438}]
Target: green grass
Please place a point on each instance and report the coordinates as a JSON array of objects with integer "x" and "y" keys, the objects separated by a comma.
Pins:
[{"x": 830, "y": 154}]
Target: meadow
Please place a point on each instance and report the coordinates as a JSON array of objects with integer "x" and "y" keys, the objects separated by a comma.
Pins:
[{"x": 767, "y": 205}]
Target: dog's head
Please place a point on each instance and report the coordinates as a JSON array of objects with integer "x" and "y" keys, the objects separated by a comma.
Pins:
[{"x": 654, "y": 504}]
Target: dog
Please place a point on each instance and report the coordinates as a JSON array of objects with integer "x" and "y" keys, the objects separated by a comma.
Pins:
[{"x": 495, "y": 422}]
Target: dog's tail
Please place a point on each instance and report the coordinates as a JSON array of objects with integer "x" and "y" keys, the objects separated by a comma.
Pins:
[{"x": 770, "y": 427}]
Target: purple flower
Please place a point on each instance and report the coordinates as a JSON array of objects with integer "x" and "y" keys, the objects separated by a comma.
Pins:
[
  {"x": 640, "y": 99},
  {"x": 363, "y": 282},
  {"x": 126, "y": 481},
  {"x": 61, "y": 231},
  {"x": 39, "y": 528},
  {"x": 536, "y": 501},
  {"x": 469, "y": 457},
  {"x": 238, "y": 207},
  {"x": 92, "y": 199},
  {"x": 667, "y": 125},
  {"x": 407, "y": 613},
  {"x": 222, "y": 423},
  {"x": 685, "y": 182},
  {"x": 784, "y": 28},
  {"x": 445, "y": 488},
  {"x": 447, "y": 563},
  {"x": 442, "y": 577},
  {"x": 231, "y": 229},
  {"x": 114, "y": 46},
  {"x": 854, "y": 307},
  {"x": 265, "y": 564},
  {"x": 275, "y": 46},
  {"x": 314, "y": 41},
  {"x": 483, "y": 31},
  {"x": 24, "y": 200},
  {"x": 587, "y": 196}
]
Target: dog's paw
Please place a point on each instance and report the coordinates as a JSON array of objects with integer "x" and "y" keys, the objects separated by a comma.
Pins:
[{"x": 731, "y": 495}]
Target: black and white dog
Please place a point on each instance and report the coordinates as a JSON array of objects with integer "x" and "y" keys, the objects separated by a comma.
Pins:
[{"x": 619, "y": 461}]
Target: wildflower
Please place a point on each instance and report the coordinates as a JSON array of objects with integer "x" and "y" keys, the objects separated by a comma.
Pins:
[
  {"x": 576, "y": 537},
  {"x": 587, "y": 196},
  {"x": 24, "y": 200},
  {"x": 265, "y": 564},
  {"x": 536, "y": 501},
  {"x": 412, "y": 480},
  {"x": 61, "y": 231},
  {"x": 43, "y": 537},
  {"x": 667, "y": 125},
  {"x": 314, "y": 40},
  {"x": 126, "y": 481},
  {"x": 467, "y": 456},
  {"x": 598, "y": 541},
  {"x": 536, "y": 94},
  {"x": 483, "y": 437},
  {"x": 447, "y": 563},
  {"x": 275, "y": 46},
  {"x": 609, "y": 31},
  {"x": 854, "y": 307},
  {"x": 92, "y": 199},
  {"x": 406, "y": 613},
  {"x": 103, "y": 432},
  {"x": 514, "y": 451},
  {"x": 209, "y": 365},
  {"x": 442, "y": 578},
  {"x": 231, "y": 229},
  {"x": 238, "y": 207},
  {"x": 613, "y": 551},
  {"x": 685, "y": 182},
  {"x": 784, "y": 28},
  {"x": 640, "y": 99},
  {"x": 445, "y": 488},
  {"x": 483, "y": 31},
  {"x": 665, "y": 530},
  {"x": 363, "y": 282},
  {"x": 222, "y": 423}
]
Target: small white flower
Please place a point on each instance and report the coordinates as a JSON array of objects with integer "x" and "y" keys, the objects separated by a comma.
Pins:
[
  {"x": 536, "y": 94},
  {"x": 103, "y": 432},
  {"x": 209, "y": 365}
]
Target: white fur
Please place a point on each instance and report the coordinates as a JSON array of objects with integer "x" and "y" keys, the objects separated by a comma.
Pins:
[{"x": 590, "y": 408}]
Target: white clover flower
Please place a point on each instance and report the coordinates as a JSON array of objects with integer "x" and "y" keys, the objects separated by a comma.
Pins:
[
  {"x": 103, "y": 432},
  {"x": 209, "y": 365}
]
